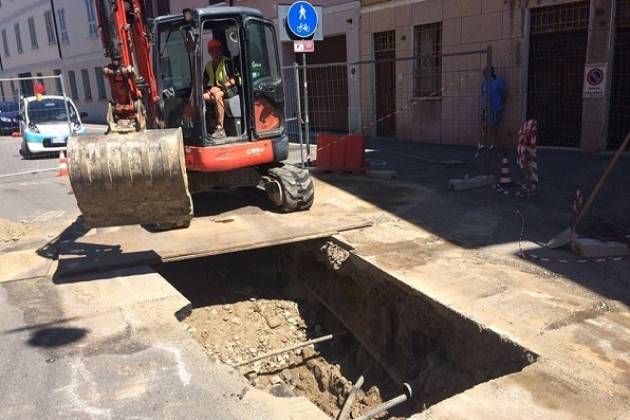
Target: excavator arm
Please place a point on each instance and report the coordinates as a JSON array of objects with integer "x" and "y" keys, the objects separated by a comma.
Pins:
[
  {"x": 127, "y": 44},
  {"x": 136, "y": 172}
]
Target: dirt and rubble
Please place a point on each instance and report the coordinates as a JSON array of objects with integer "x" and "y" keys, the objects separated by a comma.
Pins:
[
  {"x": 236, "y": 319},
  {"x": 12, "y": 232}
]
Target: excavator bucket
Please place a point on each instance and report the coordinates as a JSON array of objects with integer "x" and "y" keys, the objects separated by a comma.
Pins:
[{"x": 134, "y": 178}]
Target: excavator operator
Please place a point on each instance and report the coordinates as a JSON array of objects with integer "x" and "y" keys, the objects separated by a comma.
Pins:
[{"x": 219, "y": 83}]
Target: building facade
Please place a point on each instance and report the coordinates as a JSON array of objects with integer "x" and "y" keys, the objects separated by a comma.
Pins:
[
  {"x": 45, "y": 38},
  {"x": 542, "y": 50},
  {"x": 400, "y": 69}
]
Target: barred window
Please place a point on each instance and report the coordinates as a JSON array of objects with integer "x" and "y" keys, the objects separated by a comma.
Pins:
[
  {"x": 32, "y": 32},
  {"x": 18, "y": 38},
  {"x": 63, "y": 29},
  {"x": 100, "y": 83},
  {"x": 563, "y": 17},
  {"x": 58, "y": 86},
  {"x": 74, "y": 92},
  {"x": 87, "y": 88},
  {"x": 5, "y": 43},
  {"x": 91, "y": 15},
  {"x": 50, "y": 27},
  {"x": 428, "y": 62}
]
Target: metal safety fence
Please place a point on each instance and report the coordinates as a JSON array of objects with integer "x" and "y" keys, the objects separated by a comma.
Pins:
[{"x": 430, "y": 98}]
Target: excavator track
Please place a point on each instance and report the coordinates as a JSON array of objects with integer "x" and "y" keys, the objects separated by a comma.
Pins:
[{"x": 133, "y": 178}]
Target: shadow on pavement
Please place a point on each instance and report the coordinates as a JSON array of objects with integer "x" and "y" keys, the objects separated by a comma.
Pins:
[{"x": 56, "y": 336}]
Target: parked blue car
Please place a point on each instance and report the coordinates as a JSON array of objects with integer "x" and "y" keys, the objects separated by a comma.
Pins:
[{"x": 9, "y": 122}]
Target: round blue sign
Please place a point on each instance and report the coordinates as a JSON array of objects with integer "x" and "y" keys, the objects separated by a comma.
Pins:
[{"x": 302, "y": 19}]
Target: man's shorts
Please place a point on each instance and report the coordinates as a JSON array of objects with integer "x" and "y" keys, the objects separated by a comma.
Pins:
[{"x": 493, "y": 118}]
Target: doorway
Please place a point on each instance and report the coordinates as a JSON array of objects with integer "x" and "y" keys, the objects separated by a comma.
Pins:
[
  {"x": 557, "y": 54},
  {"x": 327, "y": 77},
  {"x": 385, "y": 74},
  {"x": 619, "y": 123}
]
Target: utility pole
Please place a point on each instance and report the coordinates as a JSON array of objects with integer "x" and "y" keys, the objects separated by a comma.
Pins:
[{"x": 54, "y": 16}]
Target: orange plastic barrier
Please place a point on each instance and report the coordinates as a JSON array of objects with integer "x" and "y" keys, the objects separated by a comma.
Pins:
[{"x": 344, "y": 153}]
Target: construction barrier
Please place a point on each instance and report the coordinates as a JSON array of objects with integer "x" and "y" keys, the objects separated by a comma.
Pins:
[{"x": 340, "y": 154}]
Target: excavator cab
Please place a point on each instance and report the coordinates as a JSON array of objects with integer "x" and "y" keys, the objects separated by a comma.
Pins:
[
  {"x": 253, "y": 108},
  {"x": 148, "y": 176}
]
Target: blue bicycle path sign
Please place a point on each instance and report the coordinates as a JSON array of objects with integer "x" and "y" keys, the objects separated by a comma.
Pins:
[{"x": 302, "y": 19}]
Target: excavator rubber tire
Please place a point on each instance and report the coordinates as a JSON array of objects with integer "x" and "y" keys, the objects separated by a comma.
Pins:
[
  {"x": 132, "y": 178},
  {"x": 298, "y": 192}
]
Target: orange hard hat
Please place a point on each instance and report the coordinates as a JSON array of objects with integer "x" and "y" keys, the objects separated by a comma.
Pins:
[{"x": 214, "y": 43}]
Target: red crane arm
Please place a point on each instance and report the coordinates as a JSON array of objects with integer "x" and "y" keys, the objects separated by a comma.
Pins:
[{"x": 127, "y": 43}]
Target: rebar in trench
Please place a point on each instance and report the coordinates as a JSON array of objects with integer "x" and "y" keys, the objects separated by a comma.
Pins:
[
  {"x": 295, "y": 347},
  {"x": 347, "y": 404},
  {"x": 389, "y": 404}
]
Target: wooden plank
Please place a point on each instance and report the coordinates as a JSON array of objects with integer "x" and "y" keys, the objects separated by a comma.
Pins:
[{"x": 127, "y": 246}]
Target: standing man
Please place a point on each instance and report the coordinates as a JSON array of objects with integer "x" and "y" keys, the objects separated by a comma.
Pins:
[
  {"x": 491, "y": 117},
  {"x": 219, "y": 80}
]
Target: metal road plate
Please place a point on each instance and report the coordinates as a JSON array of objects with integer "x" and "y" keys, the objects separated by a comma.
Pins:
[{"x": 106, "y": 249}]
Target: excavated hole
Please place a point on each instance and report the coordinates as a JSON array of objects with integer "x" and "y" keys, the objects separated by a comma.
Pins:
[{"x": 251, "y": 303}]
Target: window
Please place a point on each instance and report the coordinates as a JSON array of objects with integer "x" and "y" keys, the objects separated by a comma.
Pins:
[
  {"x": 50, "y": 27},
  {"x": 26, "y": 83},
  {"x": 91, "y": 15},
  {"x": 174, "y": 61},
  {"x": 428, "y": 63},
  {"x": 74, "y": 93},
  {"x": 63, "y": 29},
  {"x": 264, "y": 73},
  {"x": 57, "y": 72},
  {"x": 18, "y": 38},
  {"x": 87, "y": 88},
  {"x": 100, "y": 82},
  {"x": 32, "y": 32},
  {"x": 5, "y": 43}
]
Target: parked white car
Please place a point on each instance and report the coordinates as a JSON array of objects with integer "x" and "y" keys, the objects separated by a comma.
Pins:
[{"x": 44, "y": 123}]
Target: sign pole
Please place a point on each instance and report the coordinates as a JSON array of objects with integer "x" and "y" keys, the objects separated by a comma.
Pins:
[
  {"x": 306, "y": 118},
  {"x": 296, "y": 76}
]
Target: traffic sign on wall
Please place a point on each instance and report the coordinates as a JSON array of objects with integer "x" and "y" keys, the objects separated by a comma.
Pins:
[{"x": 594, "y": 80}]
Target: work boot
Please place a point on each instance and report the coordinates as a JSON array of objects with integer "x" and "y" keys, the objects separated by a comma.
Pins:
[{"x": 219, "y": 133}]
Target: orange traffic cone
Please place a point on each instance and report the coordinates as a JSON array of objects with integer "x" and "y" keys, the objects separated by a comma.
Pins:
[
  {"x": 505, "y": 178},
  {"x": 63, "y": 164}
]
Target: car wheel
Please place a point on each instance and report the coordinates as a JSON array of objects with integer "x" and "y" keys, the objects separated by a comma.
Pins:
[{"x": 24, "y": 152}]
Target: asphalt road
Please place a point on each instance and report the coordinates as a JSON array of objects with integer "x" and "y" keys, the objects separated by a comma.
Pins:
[{"x": 30, "y": 189}]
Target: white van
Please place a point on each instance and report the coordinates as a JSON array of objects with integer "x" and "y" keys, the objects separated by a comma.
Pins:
[{"x": 44, "y": 124}]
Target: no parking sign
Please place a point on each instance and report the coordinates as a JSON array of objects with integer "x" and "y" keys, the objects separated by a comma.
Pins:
[{"x": 594, "y": 80}]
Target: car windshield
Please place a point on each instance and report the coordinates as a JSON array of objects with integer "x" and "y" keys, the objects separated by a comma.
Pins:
[
  {"x": 8, "y": 107},
  {"x": 49, "y": 110}
]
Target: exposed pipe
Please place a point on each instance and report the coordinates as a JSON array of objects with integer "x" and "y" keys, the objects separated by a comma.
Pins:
[
  {"x": 389, "y": 404},
  {"x": 295, "y": 347},
  {"x": 347, "y": 404}
]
